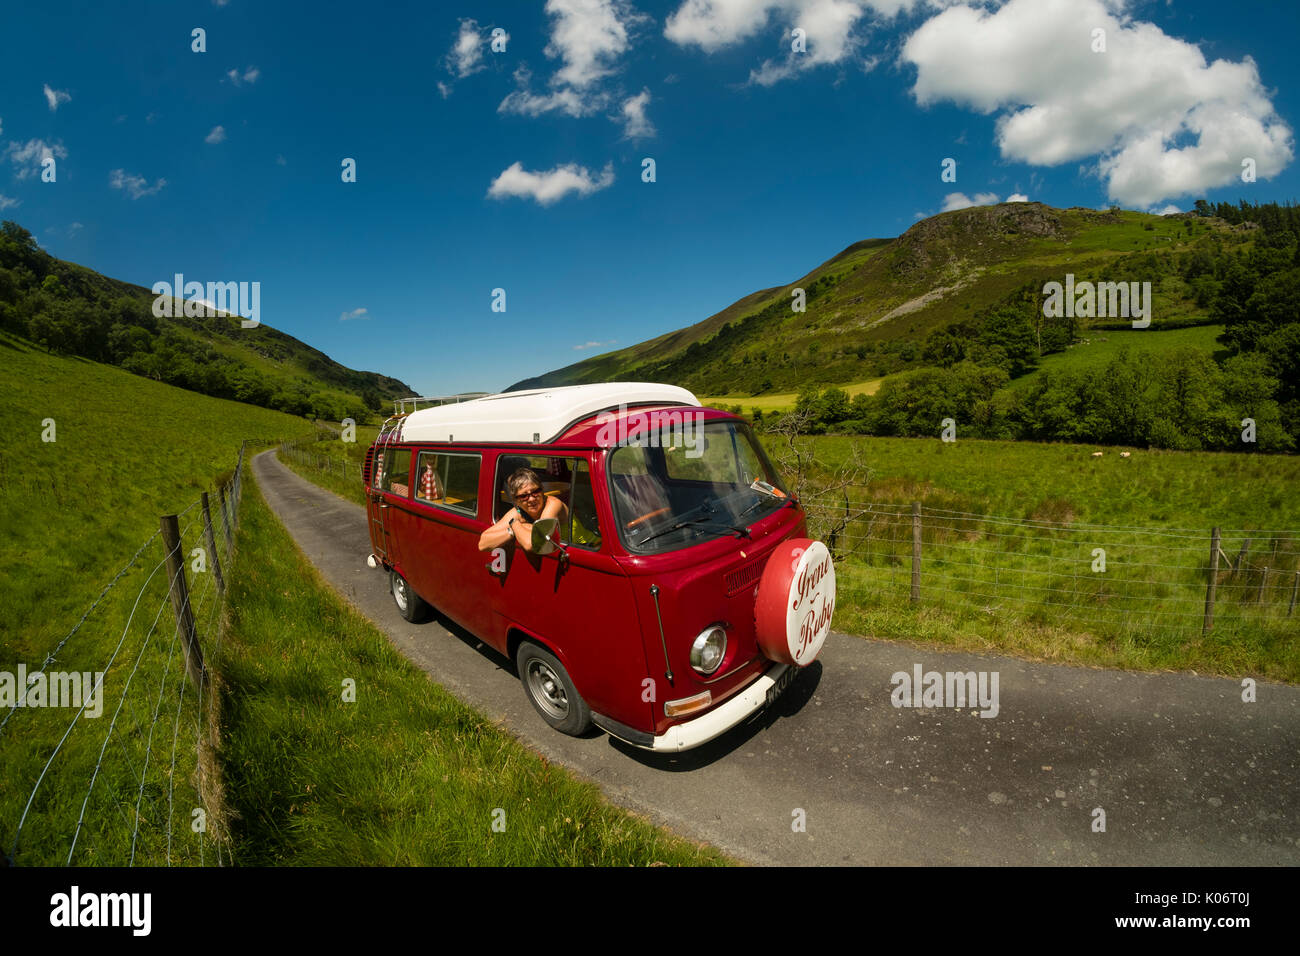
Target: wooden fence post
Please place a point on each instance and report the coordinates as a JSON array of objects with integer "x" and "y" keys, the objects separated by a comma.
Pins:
[
  {"x": 1295, "y": 586},
  {"x": 225, "y": 517},
  {"x": 1212, "y": 583},
  {"x": 171, "y": 536},
  {"x": 1241, "y": 555},
  {"x": 210, "y": 540},
  {"x": 1263, "y": 578},
  {"x": 916, "y": 551}
]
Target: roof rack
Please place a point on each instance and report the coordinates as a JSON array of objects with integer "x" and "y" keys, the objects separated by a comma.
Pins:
[{"x": 399, "y": 404}]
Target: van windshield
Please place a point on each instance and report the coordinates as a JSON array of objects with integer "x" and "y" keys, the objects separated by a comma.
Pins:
[{"x": 667, "y": 498}]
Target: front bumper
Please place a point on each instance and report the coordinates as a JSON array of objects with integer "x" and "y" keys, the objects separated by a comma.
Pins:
[{"x": 700, "y": 730}]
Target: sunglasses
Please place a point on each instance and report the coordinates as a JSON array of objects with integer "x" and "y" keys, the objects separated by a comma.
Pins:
[{"x": 536, "y": 493}]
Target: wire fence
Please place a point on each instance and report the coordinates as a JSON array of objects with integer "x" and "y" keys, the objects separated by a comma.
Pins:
[
  {"x": 1103, "y": 577},
  {"x": 298, "y": 450},
  {"x": 1111, "y": 579},
  {"x": 107, "y": 742}
]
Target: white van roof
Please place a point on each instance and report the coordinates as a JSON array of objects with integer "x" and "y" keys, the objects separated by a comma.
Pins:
[{"x": 537, "y": 415}]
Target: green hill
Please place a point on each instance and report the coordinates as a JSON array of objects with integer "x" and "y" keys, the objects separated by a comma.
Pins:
[
  {"x": 870, "y": 308},
  {"x": 69, "y": 309}
]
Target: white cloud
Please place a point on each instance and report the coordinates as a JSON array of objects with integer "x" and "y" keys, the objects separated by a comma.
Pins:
[
  {"x": 7, "y": 201},
  {"x": 136, "y": 186},
  {"x": 962, "y": 201},
  {"x": 281, "y": 161},
  {"x": 74, "y": 228},
  {"x": 1166, "y": 210},
  {"x": 828, "y": 27},
  {"x": 55, "y": 97},
  {"x": 588, "y": 37},
  {"x": 444, "y": 89},
  {"x": 1160, "y": 120},
  {"x": 635, "y": 123},
  {"x": 29, "y": 156},
  {"x": 549, "y": 186},
  {"x": 466, "y": 56},
  {"x": 249, "y": 76},
  {"x": 354, "y": 314},
  {"x": 570, "y": 102},
  {"x": 593, "y": 345},
  {"x": 1017, "y": 197},
  {"x": 218, "y": 135}
]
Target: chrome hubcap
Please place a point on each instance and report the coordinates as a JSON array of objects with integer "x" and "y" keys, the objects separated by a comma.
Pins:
[
  {"x": 399, "y": 593},
  {"x": 547, "y": 689}
]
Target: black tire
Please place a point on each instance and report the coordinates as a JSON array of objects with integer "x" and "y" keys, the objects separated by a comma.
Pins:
[
  {"x": 410, "y": 605},
  {"x": 550, "y": 689}
]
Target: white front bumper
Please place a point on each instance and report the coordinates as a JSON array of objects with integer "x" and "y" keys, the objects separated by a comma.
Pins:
[{"x": 704, "y": 728}]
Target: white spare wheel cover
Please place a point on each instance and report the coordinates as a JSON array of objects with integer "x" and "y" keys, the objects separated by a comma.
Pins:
[{"x": 796, "y": 599}]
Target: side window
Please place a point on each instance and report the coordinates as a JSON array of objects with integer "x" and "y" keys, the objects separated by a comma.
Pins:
[
  {"x": 567, "y": 480},
  {"x": 397, "y": 471},
  {"x": 586, "y": 527},
  {"x": 556, "y": 475},
  {"x": 448, "y": 480}
]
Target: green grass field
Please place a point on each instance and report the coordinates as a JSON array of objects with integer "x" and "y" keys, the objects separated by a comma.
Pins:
[
  {"x": 1097, "y": 347},
  {"x": 73, "y": 512},
  {"x": 403, "y": 775},
  {"x": 782, "y": 401},
  {"x": 1026, "y": 583},
  {"x": 333, "y": 463}
]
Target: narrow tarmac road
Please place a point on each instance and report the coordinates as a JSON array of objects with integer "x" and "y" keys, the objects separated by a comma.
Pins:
[{"x": 1187, "y": 774}]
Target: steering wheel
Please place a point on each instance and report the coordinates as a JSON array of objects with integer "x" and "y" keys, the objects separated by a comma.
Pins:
[{"x": 646, "y": 517}]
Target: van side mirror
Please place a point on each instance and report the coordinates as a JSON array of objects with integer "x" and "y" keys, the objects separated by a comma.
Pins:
[{"x": 543, "y": 541}]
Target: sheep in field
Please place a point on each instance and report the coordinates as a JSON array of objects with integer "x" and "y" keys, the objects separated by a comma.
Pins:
[{"x": 1096, "y": 454}]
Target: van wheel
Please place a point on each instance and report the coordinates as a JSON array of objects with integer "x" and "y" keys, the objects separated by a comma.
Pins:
[
  {"x": 412, "y": 607},
  {"x": 551, "y": 690}
]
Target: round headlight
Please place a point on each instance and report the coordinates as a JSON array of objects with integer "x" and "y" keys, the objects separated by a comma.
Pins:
[{"x": 708, "y": 650}]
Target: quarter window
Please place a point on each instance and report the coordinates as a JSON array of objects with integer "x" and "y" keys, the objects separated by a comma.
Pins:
[{"x": 396, "y": 475}]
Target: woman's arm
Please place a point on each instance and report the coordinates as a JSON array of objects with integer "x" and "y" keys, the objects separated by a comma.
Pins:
[{"x": 500, "y": 533}]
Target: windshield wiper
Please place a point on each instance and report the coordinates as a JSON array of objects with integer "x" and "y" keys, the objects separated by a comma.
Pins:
[
  {"x": 766, "y": 492},
  {"x": 696, "y": 523}
]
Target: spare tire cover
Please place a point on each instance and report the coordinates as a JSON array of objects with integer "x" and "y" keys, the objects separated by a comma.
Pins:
[{"x": 796, "y": 599}]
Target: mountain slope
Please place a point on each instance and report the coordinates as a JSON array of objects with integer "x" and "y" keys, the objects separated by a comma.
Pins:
[
  {"x": 70, "y": 309},
  {"x": 869, "y": 307}
]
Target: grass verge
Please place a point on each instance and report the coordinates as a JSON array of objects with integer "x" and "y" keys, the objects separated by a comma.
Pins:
[{"x": 404, "y": 775}]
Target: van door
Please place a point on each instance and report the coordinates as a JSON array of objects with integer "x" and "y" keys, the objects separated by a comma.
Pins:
[
  {"x": 440, "y": 538},
  {"x": 580, "y": 607}
]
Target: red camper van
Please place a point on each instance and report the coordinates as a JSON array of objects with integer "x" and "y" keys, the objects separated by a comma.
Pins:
[{"x": 674, "y": 594}]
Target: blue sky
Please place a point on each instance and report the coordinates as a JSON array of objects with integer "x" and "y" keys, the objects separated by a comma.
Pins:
[{"x": 522, "y": 169}]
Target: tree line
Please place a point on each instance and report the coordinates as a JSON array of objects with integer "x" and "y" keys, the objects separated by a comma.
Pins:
[{"x": 71, "y": 310}]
